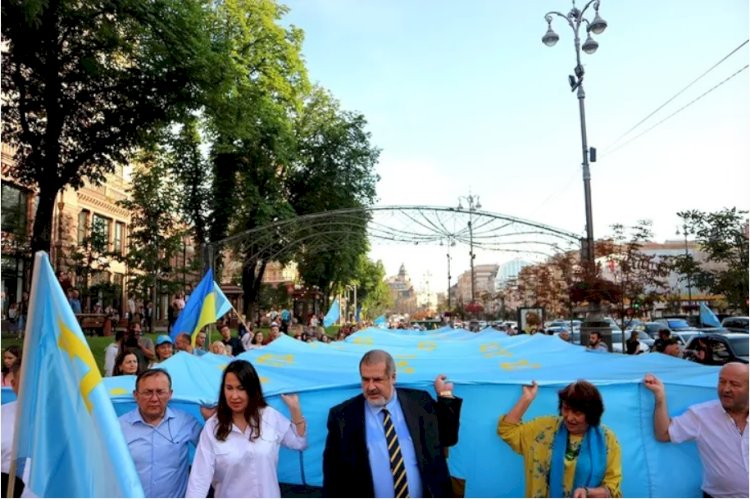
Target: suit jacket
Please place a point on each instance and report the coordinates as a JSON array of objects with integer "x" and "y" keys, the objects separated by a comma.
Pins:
[{"x": 432, "y": 426}]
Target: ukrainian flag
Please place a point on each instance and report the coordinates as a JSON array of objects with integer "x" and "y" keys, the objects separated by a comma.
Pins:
[
  {"x": 65, "y": 421},
  {"x": 206, "y": 304}
]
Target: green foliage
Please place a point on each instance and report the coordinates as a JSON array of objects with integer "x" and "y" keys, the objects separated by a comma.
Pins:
[
  {"x": 637, "y": 276},
  {"x": 156, "y": 230},
  {"x": 89, "y": 257},
  {"x": 335, "y": 169},
  {"x": 373, "y": 293},
  {"x": 86, "y": 83},
  {"x": 723, "y": 236},
  {"x": 189, "y": 169}
]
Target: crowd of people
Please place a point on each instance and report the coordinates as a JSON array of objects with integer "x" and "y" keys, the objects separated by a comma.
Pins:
[{"x": 390, "y": 441}]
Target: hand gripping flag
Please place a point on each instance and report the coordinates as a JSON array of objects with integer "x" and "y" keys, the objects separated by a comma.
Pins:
[
  {"x": 66, "y": 424},
  {"x": 206, "y": 304}
]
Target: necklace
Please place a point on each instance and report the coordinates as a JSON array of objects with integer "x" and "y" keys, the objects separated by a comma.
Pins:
[{"x": 572, "y": 450}]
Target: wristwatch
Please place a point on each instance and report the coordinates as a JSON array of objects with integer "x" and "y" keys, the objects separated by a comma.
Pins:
[{"x": 446, "y": 394}]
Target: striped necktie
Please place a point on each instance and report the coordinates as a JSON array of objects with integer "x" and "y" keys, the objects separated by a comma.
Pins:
[{"x": 400, "y": 485}]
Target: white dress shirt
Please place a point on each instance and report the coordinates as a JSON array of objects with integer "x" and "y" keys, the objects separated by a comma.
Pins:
[
  {"x": 6, "y": 430},
  {"x": 110, "y": 355},
  {"x": 238, "y": 466},
  {"x": 8, "y": 417},
  {"x": 723, "y": 449}
]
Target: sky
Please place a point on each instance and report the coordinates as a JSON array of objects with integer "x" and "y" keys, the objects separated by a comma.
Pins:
[{"x": 463, "y": 98}]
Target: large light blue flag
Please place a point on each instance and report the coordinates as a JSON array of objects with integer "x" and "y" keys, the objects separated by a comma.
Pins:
[
  {"x": 333, "y": 315},
  {"x": 487, "y": 369},
  {"x": 66, "y": 424},
  {"x": 207, "y": 304},
  {"x": 380, "y": 321},
  {"x": 708, "y": 318}
]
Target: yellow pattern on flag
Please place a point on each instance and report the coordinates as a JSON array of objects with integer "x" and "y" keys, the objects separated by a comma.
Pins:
[
  {"x": 208, "y": 315},
  {"x": 73, "y": 345}
]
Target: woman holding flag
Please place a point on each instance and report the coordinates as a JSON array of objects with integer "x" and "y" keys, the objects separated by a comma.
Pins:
[
  {"x": 571, "y": 455},
  {"x": 238, "y": 451}
]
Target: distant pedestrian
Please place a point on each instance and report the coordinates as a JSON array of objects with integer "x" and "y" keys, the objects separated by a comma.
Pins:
[{"x": 596, "y": 343}]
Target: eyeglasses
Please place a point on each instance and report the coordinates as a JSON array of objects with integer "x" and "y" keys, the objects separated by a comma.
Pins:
[{"x": 150, "y": 393}]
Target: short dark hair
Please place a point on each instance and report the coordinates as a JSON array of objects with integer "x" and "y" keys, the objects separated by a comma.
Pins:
[
  {"x": 665, "y": 330},
  {"x": 584, "y": 397},
  {"x": 150, "y": 373}
]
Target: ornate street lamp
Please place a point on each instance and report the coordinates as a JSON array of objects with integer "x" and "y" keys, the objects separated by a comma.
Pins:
[
  {"x": 474, "y": 205},
  {"x": 596, "y": 26}
]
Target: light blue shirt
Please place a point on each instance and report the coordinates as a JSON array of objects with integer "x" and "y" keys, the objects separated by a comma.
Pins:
[
  {"x": 161, "y": 452},
  {"x": 377, "y": 449}
]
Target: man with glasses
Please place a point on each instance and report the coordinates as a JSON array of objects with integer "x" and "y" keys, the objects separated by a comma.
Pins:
[{"x": 159, "y": 437}]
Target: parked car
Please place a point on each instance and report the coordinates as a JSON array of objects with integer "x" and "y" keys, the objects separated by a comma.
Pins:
[
  {"x": 617, "y": 342},
  {"x": 684, "y": 337},
  {"x": 674, "y": 324},
  {"x": 736, "y": 324},
  {"x": 722, "y": 348},
  {"x": 651, "y": 328}
]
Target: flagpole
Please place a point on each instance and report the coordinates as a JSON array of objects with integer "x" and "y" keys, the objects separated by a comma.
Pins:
[
  {"x": 239, "y": 317},
  {"x": 30, "y": 316}
]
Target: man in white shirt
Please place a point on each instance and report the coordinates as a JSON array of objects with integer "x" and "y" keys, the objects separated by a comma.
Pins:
[{"x": 719, "y": 427}]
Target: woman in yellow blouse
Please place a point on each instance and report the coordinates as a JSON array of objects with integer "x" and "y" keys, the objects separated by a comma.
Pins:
[{"x": 571, "y": 455}]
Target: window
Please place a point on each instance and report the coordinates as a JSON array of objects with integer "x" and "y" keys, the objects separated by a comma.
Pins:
[
  {"x": 119, "y": 231},
  {"x": 14, "y": 204},
  {"x": 83, "y": 225},
  {"x": 101, "y": 228}
]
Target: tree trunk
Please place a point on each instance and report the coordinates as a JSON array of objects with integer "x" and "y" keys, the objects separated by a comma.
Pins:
[
  {"x": 41, "y": 239},
  {"x": 251, "y": 282}
]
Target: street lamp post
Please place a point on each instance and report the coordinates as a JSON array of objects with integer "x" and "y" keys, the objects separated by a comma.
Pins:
[
  {"x": 474, "y": 205},
  {"x": 689, "y": 280},
  {"x": 449, "y": 243},
  {"x": 596, "y": 26}
]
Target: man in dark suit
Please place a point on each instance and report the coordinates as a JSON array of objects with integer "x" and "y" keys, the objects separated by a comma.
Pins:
[{"x": 358, "y": 460}]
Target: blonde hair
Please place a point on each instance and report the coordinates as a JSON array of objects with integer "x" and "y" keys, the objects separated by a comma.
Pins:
[{"x": 217, "y": 345}]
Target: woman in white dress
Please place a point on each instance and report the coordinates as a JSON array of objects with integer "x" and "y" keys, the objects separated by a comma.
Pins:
[{"x": 238, "y": 451}]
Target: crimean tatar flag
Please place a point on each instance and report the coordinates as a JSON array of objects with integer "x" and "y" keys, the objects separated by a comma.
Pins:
[
  {"x": 66, "y": 424},
  {"x": 207, "y": 304},
  {"x": 333, "y": 315}
]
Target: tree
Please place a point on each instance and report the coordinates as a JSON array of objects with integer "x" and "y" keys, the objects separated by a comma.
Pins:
[
  {"x": 373, "y": 294},
  {"x": 723, "y": 236},
  {"x": 638, "y": 276},
  {"x": 189, "y": 169},
  {"x": 85, "y": 83},
  {"x": 156, "y": 230},
  {"x": 90, "y": 257},
  {"x": 260, "y": 78},
  {"x": 334, "y": 169}
]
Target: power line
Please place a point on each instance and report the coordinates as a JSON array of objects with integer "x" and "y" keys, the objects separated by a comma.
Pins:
[
  {"x": 681, "y": 109},
  {"x": 674, "y": 97}
]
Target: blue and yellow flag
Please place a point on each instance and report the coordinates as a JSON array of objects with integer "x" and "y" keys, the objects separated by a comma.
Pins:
[
  {"x": 206, "y": 304},
  {"x": 65, "y": 421}
]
